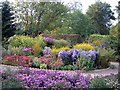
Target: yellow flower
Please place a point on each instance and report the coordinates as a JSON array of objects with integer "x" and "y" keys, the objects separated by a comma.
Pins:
[
  {"x": 84, "y": 46},
  {"x": 57, "y": 50},
  {"x": 97, "y": 42}
]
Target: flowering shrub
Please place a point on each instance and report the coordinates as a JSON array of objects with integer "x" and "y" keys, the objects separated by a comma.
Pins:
[
  {"x": 46, "y": 51},
  {"x": 49, "y": 40},
  {"x": 55, "y": 51},
  {"x": 87, "y": 59},
  {"x": 84, "y": 46},
  {"x": 79, "y": 57},
  {"x": 52, "y": 79},
  {"x": 51, "y": 61},
  {"x": 27, "y": 51},
  {"x": 17, "y": 60},
  {"x": 69, "y": 57}
]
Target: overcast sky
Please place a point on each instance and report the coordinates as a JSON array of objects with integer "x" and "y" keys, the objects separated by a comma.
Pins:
[{"x": 85, "y": 3}]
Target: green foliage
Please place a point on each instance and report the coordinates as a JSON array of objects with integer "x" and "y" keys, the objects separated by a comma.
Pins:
[
  {"x": 84, "y": 64},
  {"x": 8, "y": 28},
  {"x": 40, "y": 16},
  {"x": 36, "y": 50},
  {"x": 105, "y": 55},
  {"x": 21, "y": 41},
  {"x": 99, "y": 40},
  {"x": 101, "y": 16},
  {"x": 11, "y": 82},
  {"x": 114, "y": 39},
  {"x": 15, "y": 51},
  {"x": 80, "y": 24},
  {"x": 37, "y": 63},
  {"x": 105, "y": 82},
  {"x": 61, "y": 43},
  {"x": 26, "y": 41},
  {"x": 66, "y": 67},
  {"x": 39, "y": 40}
]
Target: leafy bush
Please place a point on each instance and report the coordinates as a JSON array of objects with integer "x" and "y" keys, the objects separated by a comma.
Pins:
[
  {"x": 21, "y": 41},
  {"x": 17, "y": 60},
  {"x": 36, "y": 49},
  {"x": 105, "y": 55},
  {"x": 61, "y": 43},
  {"x": 98, "y": 39},
  {"x": 105, "y": 82},
  {"x": 9, "y": 81},
  {"x": 84, "y": 46},
  {"x": 16, "y": 51},
  {"x": 66, "y": 67},
  {"x": 39, "y": 40},
  {"x": 87, "y": 60},
  {"x": 37, "y": 63},
  {"x": 26, "y": 41}
]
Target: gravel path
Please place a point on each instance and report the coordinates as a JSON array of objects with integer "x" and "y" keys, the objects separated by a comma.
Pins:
[{"x": 101, "y": 72}]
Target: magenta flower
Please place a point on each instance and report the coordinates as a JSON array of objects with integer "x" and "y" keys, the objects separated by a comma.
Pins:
[{"x": 27, "y": 49}]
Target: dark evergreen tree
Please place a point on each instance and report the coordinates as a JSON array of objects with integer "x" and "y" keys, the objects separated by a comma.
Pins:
[
  {"x": 8, "y": 26},
  {"x": 101, "y": 16}
]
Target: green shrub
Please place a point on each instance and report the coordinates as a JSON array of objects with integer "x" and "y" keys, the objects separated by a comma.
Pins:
[
  {"x": 84, "y": 64},
  {"x": 66, "y": 67},
  {"x": 105, "y": 82},
  {"x": 37, "y": 63},
  {"x": 9, "y": 82},
  {"x": 26, "y": 41},
  {"x": 21, "y": 41},
  {"x": 98, "y": 39},
  {"x": 39, "y": 40},
  {"x": 105, "y": 55},
  {"x": 61, "y": 43}
]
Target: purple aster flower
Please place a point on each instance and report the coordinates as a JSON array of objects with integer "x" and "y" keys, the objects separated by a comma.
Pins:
[
  {"x": 63, "y": 54},
  {"x": 27, "y": 49},
  {"x": 49, "y": 40},
  {"x": 46, "y": 50}
]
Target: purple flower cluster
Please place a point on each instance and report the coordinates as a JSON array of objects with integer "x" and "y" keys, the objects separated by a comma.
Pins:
[
  {"x": 52, "y": 79},
  {"x": 46, "y": 51},
  {"x": 27, "y": 49},
  {"x": 91, "y": 55},
  {"x": 73, "y": 54},
  {"x": 49, "y": 40}
]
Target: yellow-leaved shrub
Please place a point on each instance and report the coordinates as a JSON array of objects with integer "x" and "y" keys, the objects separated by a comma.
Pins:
[
  {"x": 84, "y": 46},
  {"x": 36, "y": 49},
  {"x": 57, "y": 50}
]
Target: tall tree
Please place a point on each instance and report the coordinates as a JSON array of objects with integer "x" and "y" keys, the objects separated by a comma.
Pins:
[
  {"x": 8, "y": 26},
  {"x": 81, "y": 24},
  {"x": 40, "y": 16},
  {"x": 101, "y": 16}
]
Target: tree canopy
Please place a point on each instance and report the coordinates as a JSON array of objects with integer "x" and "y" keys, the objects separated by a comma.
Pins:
[{"x": 101, "y": 16}]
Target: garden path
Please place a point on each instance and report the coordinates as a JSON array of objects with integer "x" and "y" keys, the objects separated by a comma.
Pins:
[{"x": 101, "y": 72}]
